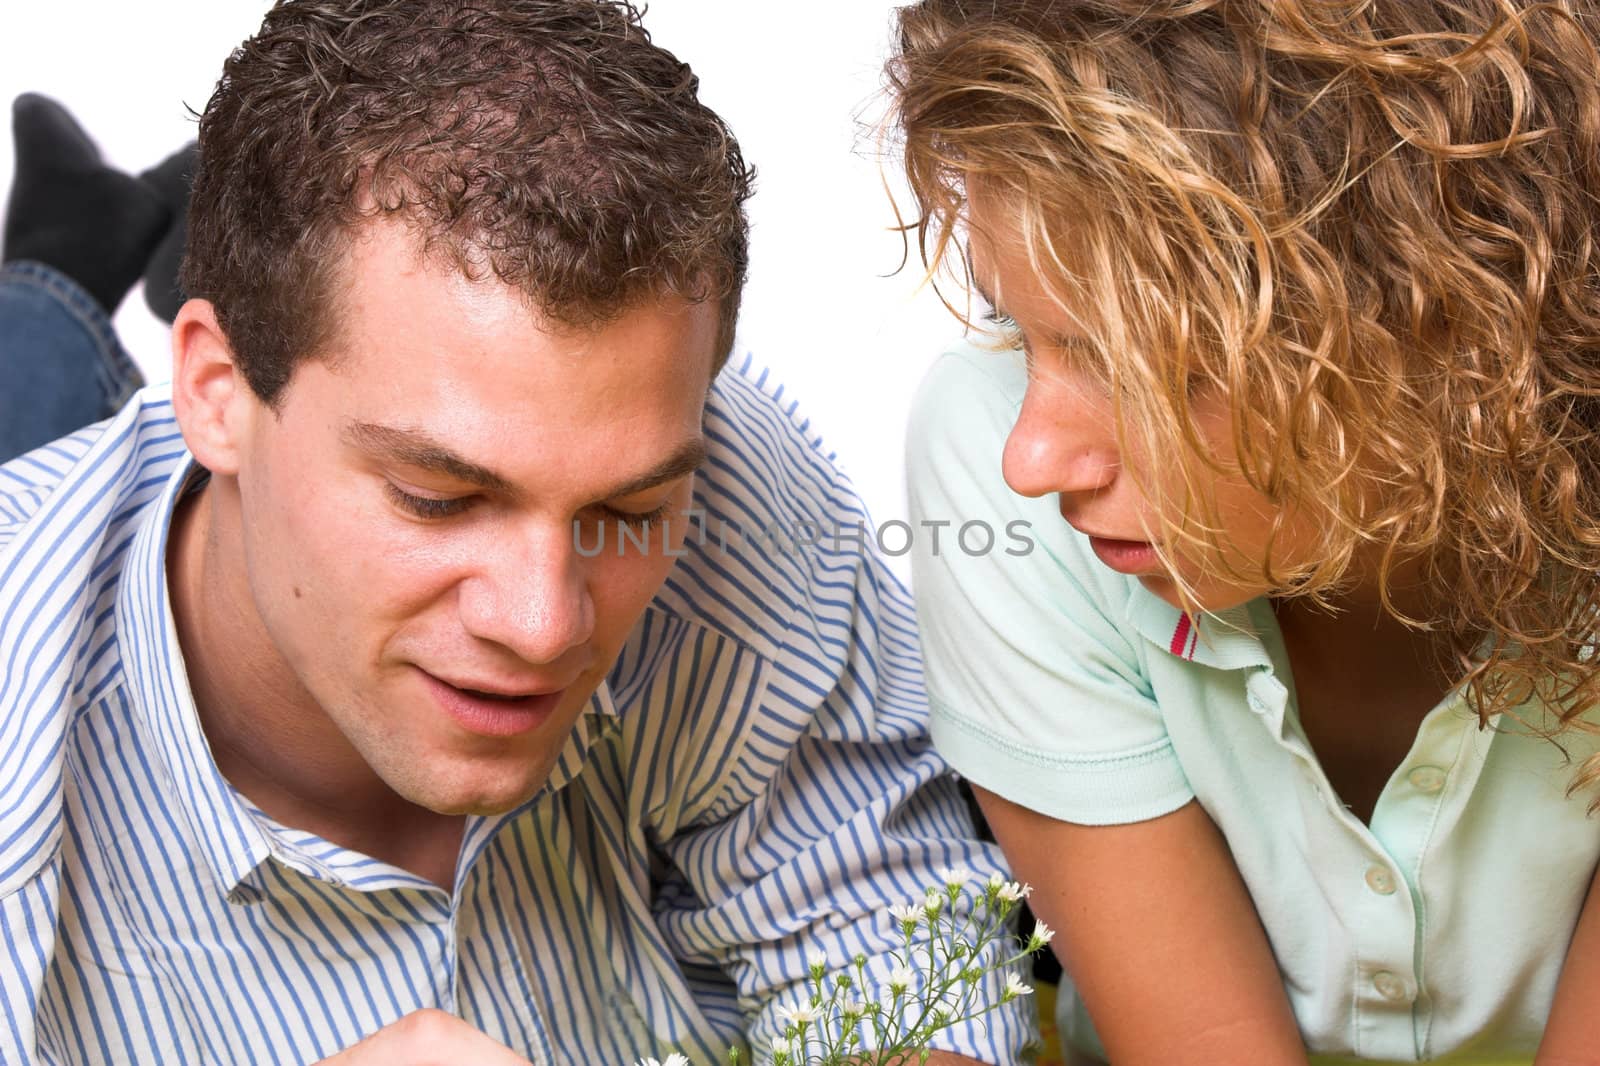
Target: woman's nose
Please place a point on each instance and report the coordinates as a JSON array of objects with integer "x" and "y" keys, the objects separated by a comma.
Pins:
[{"x": 1063, "y": 441}]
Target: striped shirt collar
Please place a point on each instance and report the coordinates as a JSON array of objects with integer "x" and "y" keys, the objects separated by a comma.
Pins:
[{"x": 233, "y": 835}]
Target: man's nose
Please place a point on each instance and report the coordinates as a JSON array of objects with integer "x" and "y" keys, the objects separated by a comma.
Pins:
[
  {"x": 1063, "y": 441},
  {"x": 531, "y": 596}
]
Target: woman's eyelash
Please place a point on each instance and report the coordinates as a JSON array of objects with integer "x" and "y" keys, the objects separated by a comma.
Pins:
[
  {"x": 426, "y": 506},
  {"x": 1011, "y": 333}
]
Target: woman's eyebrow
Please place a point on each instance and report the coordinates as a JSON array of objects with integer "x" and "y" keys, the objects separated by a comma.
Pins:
[
  {"x": 1066, "y": 341},
  {"x": 983, "y": 294}
]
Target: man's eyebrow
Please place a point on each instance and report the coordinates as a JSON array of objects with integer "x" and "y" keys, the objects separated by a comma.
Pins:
[
  {"x": 416, "y": 448},
  {"x": 685, "y": 459}
]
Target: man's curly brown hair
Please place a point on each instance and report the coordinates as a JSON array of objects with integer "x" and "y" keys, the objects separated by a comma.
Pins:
[
  {"x": 549, "y": 143},
  {"x": 1370, "y": 224}
]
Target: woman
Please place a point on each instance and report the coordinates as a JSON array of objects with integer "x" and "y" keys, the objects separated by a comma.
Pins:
[{"x": 1303, "y": 412}]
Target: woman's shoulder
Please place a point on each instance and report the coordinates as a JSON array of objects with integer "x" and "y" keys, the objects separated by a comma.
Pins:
[
  {"x": 964, "y": 410},
  {"x": 1035, "y": 672}
]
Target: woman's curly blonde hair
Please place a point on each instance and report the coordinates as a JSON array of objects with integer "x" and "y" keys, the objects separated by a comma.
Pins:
[{"x": 1370, "y": 224}]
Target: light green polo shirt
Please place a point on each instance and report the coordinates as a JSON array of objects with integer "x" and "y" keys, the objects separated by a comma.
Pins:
[{"x": 1437, "y": 933}]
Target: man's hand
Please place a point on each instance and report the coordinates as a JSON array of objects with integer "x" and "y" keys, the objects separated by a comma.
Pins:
[{"x": 427, "y": 1038}]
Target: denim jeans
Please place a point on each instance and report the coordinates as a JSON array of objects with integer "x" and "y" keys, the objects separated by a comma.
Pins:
[{"x": 61, "y": 365}]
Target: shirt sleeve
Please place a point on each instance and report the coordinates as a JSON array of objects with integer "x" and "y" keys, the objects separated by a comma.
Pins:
[
  {"x": 27, "y": 923},
  {"x": 844, "y": 831},
  {"x": 830, "y": 806},
  {"x": 1035, "y": 682}
]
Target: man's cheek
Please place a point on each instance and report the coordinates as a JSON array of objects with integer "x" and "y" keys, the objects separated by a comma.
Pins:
[{"x": 622, "y": 590}]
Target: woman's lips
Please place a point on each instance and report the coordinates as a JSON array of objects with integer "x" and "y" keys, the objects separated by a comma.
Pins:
[{"x": 1136, "y": 558}]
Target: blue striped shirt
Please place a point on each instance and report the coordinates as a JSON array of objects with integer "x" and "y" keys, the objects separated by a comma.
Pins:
[{"x": 752, "y": 783}]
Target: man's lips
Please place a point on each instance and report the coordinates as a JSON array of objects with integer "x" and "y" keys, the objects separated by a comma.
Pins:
[
  {"x": 493, "y": 708},
  {"x": 503, "y": 689}
]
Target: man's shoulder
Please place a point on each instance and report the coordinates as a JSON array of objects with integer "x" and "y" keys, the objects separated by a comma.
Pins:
[
  {"x": 29, "y": 479},
  {"x": 780, "y": 555},
  {"x": 69, "y": 512},
  {"x": 45, "y": 490},
  {"x": 780, "y": 618},
  {"x": 759, "y": 439}
]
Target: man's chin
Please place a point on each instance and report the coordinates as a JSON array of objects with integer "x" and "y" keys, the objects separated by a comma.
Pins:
[
  {"x": 479, "y": 798},
  {"x": 485, "y": 809}
]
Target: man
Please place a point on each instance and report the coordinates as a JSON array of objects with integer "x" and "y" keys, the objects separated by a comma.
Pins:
[{"x": 346, "y": 713}]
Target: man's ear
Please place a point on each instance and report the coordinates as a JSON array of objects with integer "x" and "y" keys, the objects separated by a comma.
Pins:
[{"x": 211, "y": 399}]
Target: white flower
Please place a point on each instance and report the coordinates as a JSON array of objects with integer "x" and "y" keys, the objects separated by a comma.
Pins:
[
  {"x": 817, "y": 959},
  {"x": 1042, "y": 935},
  {"x": 996, "y": 879},
  {"x": 1014, "y": 988},
  {"x": 932, "y": 903},
  {"x": 673, "y": 1059},
  {"x": 804, "y": 1014},
  {"x": 907, "y": 914},
  {"x": 780, "y": 1044},
  {"x": 1011, "y": 892},
  {"x": 900, "y": 978},
  {"x": 955, "y": 876}
]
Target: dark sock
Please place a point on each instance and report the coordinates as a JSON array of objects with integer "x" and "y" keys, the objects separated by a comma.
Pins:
[
  {"x": 172, "y": 179},
  {"x": 71, "y": 211}
]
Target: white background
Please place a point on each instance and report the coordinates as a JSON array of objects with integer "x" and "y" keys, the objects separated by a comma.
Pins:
[{"x": 797, "y": 82}]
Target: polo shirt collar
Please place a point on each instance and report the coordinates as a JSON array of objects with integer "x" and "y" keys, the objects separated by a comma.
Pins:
[{"x": 1226, "y": 640}]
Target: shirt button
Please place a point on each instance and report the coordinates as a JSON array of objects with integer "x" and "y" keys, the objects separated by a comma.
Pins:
[
  {"x": 1389, "y": 986},
  {"x": 1380, "y": 880},
  {"x": 1429, "y": 779}
]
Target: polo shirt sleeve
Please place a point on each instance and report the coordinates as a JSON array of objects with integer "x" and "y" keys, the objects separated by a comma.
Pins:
[{"x": 1034, "y": 679}]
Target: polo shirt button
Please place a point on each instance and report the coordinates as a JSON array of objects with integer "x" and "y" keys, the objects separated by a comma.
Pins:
[
  {"x": 1380, "y": 880},
  {"x": 1389, "y": 986},
  {"x": 1427, "y": 779}
]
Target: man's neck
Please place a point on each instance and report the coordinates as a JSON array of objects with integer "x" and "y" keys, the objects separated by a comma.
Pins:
[{"x": 270, "y": 738}]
